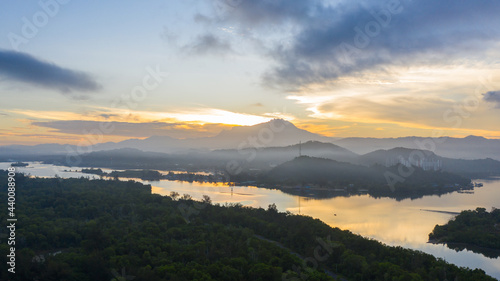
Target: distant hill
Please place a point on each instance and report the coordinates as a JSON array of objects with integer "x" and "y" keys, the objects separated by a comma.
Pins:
[
  {"x": 276, "y": 132},
  {"x": 265, "y": 158},
  {"x": 272, "y": 156},
  {"x": 272, "y": 134},
  {"x": 40, "y": 149},
  {"x": 248, "y": 158},
  {"x": 123, "y": 158},
  {"x": 430, "y": 161},
  {"x": 307, "y": 169},
  {"x": 471, "y": 147}
]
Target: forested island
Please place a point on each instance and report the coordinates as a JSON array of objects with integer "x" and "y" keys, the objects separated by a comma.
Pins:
[
  {"x": 153, "y": 175},
  {"x": 148, "y": 175},
  {"x": 475, "y": 230},
  {"x": 81, "y": 229}
]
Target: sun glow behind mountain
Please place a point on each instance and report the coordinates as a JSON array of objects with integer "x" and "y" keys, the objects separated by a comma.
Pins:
[{"x": 218, "y": 68}]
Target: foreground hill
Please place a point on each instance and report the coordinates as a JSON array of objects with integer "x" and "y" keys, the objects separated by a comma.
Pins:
[
  {"x": 376, "y": 180},
  {"x": 476, "y": 230},
  {"x": 78, "y": 229}
]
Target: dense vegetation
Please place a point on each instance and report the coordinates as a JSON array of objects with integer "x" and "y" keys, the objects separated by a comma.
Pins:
[
  {"x": 153, "y": 175},
  {"x": 476, "y": 230},
  {"x": 148, "y": 175},
  {"x": 81, "y": 229}
]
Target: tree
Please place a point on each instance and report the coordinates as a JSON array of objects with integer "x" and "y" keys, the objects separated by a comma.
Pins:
[
  {"x": 272, "y": 208},
  {"x": 174, "y": 195},
  {"x": 206, "y": 199}
]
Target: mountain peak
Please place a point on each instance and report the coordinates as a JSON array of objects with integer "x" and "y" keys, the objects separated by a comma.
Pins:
[
  {"x": 278, "y": 123},
  {"x": 472, "y": 137}
]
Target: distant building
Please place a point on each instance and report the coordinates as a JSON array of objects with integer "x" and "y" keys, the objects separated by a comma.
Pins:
[{"x": 425, "y": 164}]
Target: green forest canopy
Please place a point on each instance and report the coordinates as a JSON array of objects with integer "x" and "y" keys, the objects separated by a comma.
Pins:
[{"x": 81, "y": 229}]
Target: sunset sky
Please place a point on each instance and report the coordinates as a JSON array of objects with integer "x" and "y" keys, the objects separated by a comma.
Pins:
[{"x": 192, "y": 68}]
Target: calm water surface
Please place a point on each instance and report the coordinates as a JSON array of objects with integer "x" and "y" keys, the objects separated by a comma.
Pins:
[{"x": 398, "y": 223}]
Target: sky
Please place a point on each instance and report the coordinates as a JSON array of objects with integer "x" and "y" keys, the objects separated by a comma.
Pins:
[{"x": 114, "y": 70}]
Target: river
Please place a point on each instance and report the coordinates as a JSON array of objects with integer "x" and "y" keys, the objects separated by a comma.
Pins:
[{"x": 403, "y": 223}]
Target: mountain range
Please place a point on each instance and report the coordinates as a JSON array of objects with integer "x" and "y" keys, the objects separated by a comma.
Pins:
[
  {"x": 471, "y": 147},
  {"x": 428, "y": 160},
  {"x": 275, "y": 133}
]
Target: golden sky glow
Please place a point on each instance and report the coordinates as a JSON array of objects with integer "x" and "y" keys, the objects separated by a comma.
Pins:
[{"x": 209, "y": 71}]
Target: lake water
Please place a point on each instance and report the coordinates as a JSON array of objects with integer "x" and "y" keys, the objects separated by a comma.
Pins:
[{"x": 398, "y": 223}]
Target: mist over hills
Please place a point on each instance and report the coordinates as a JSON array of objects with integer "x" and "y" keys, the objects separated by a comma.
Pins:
[
  {"x": 276, "y": 132},
  {"x": 248, "y": 158},
  {"x": 471, "y": 147},
  {"x": 272, "y": 142},
  {"x": 428, "y": 160},
  {"x": 272, "y": 156},
  {"x": 265, "y": 159},
  {"x": 321, "y": 170},
  {"x": 330, "y": 175}
]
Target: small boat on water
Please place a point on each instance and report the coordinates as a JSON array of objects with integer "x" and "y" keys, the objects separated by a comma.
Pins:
[{"x": 19, "y": 164}]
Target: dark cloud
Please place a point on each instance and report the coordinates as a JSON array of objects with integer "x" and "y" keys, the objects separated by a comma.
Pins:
[
  {"x": 344, "y": 39},
  {"x": 202, "y": 19},
  {"x": 266, "y": 12},
  {"x": 176, "y": 130},
  {"x": 492, "y": 96},
  {"x": 208, "y": 44},
  {"x": 28, "y": 69},
  {"x": 107, "y": 116},
  {"x": 169, "y": 36}
]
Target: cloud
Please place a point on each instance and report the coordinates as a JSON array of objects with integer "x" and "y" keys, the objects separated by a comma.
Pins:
[
  {"x": 330, "y": 40},
  {"x": 40, "y": 136},
  {"x": 492, "y": 96},
  {"x": 404, "y": 111},
  {"x": 202, "y": 19},
  {"x": 420, "y": 32},
  {"x": 107, "y": 116},
  {"x": 271, "y": 12},
  {"x": 169, "y": 36},
  {"x": 181, "y": 116},
  {"x": 136, "y": 130},
  {"x": 28, "y": 69},
  {"x": 208, "y": 44},
  {"x": 420, "y": 111}
]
